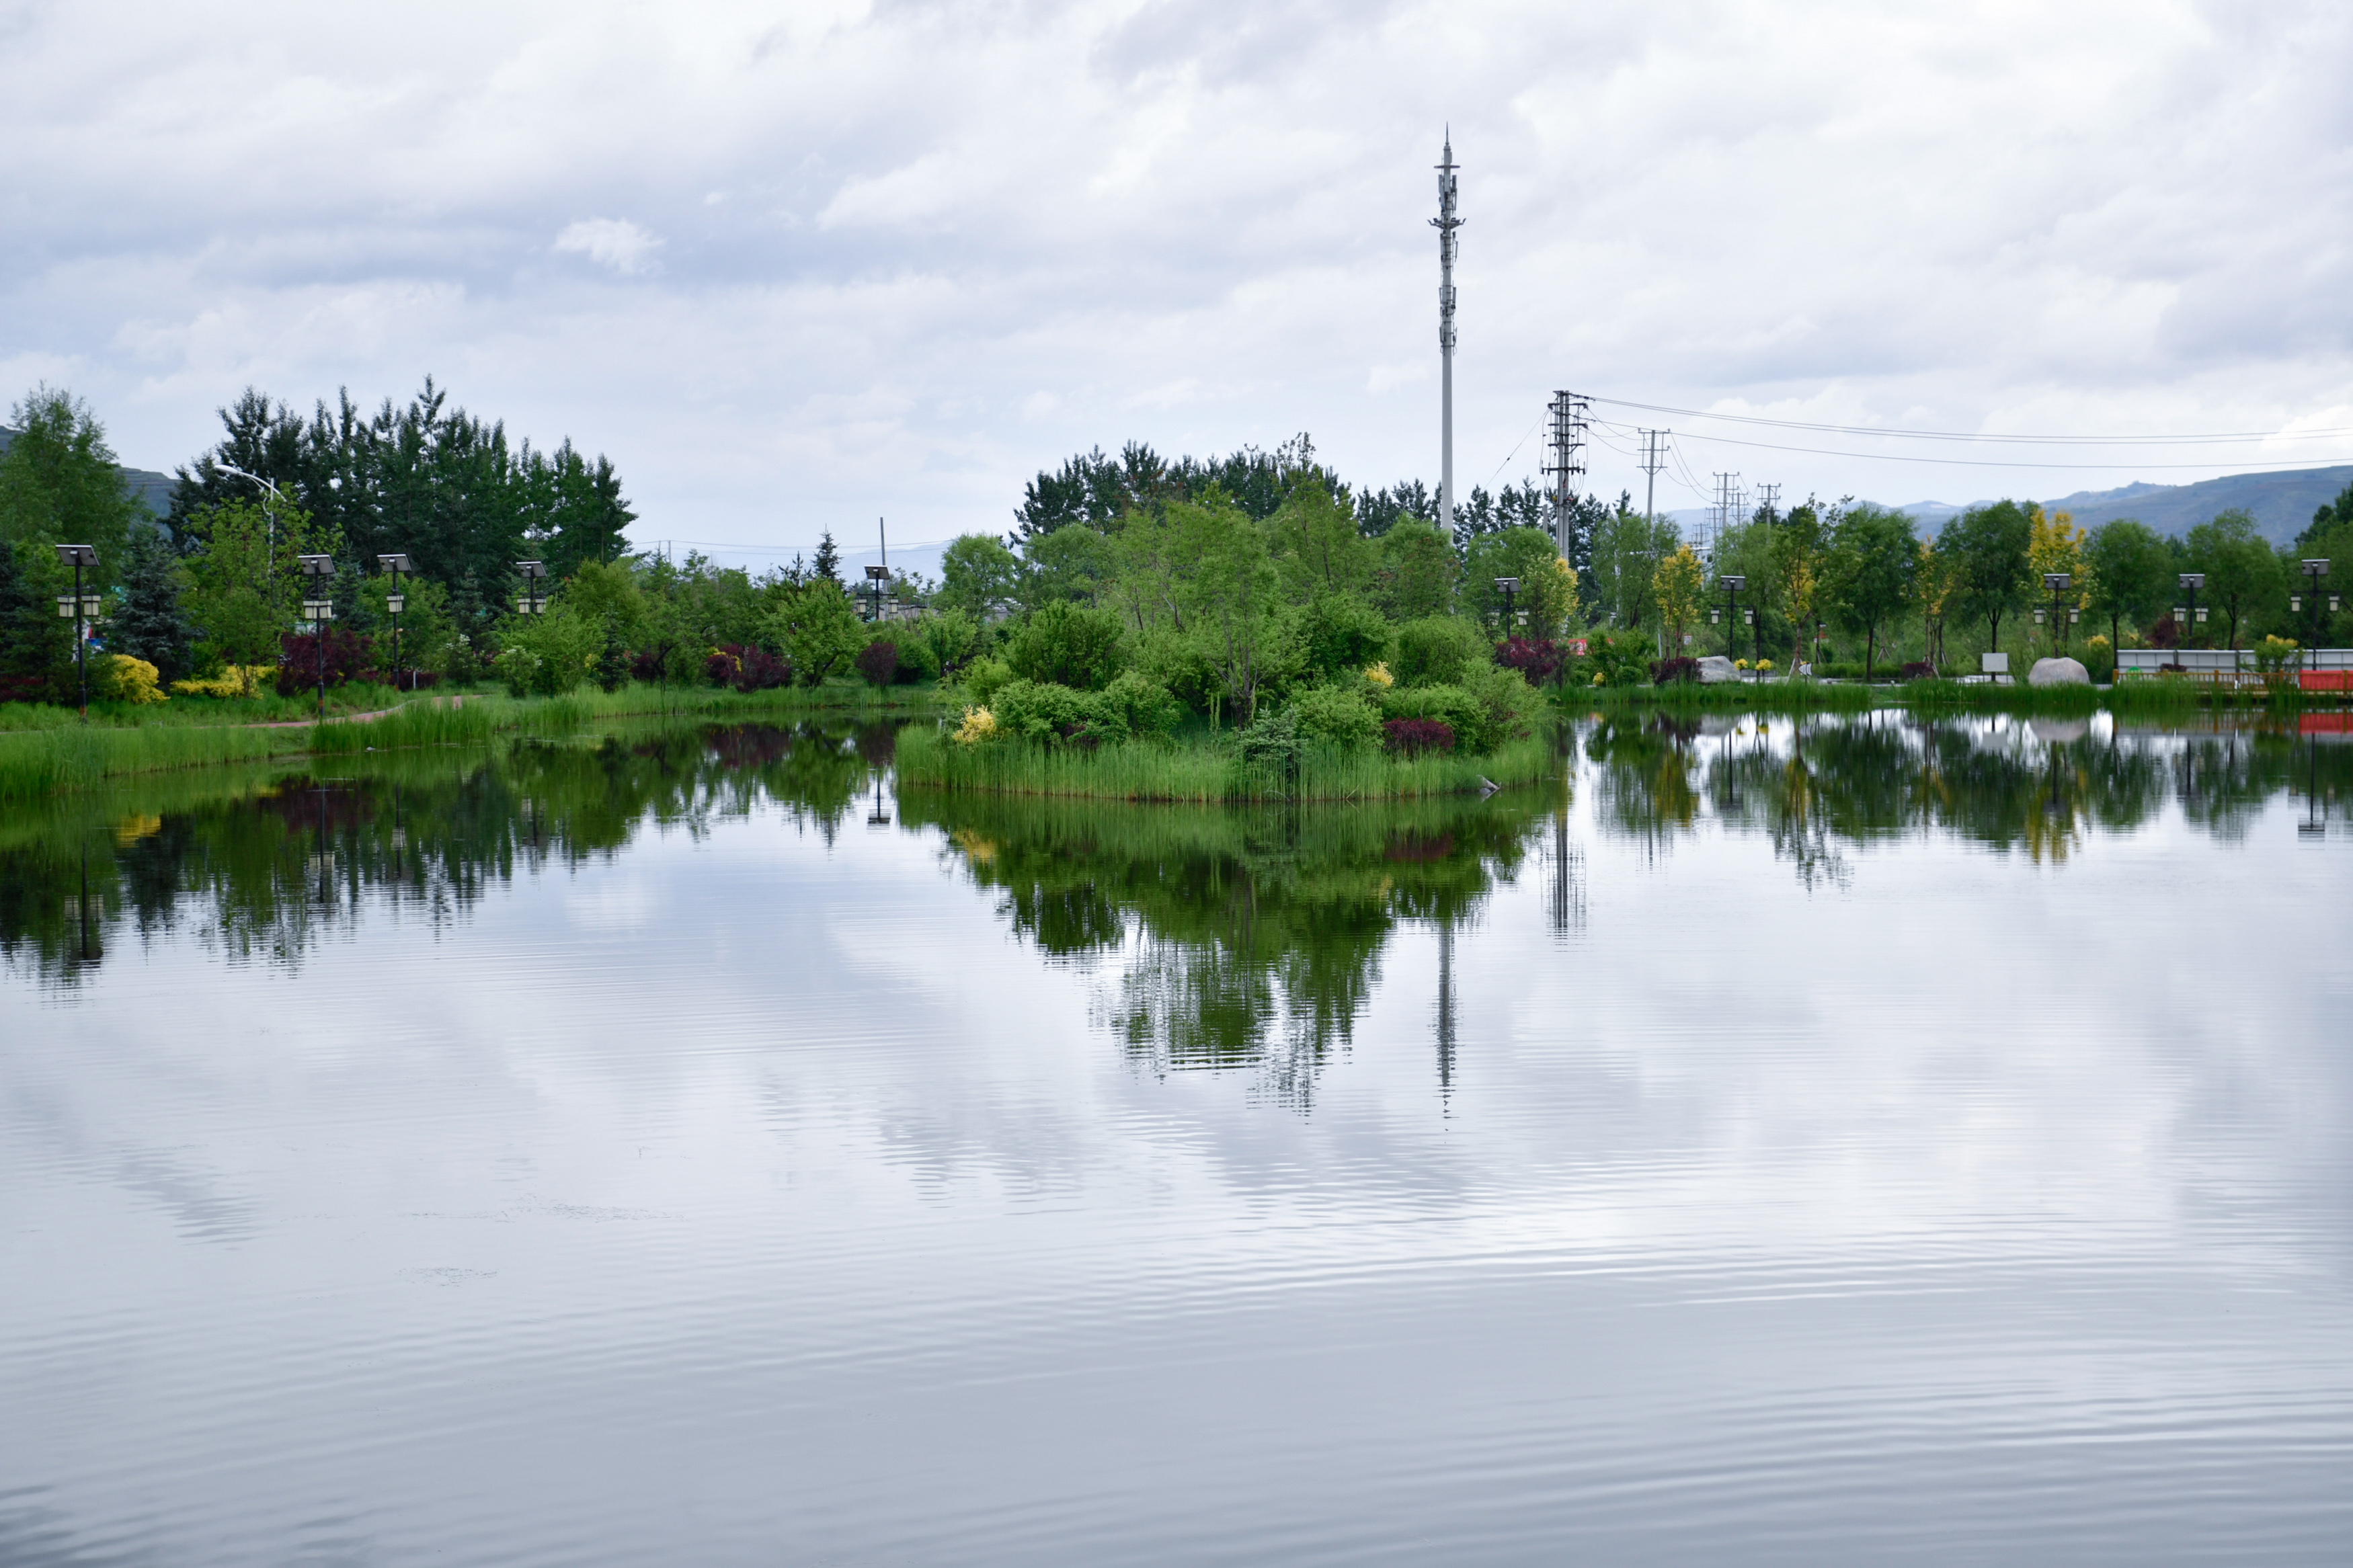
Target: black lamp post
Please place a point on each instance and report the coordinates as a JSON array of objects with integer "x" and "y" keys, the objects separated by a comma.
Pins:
[
  {"x": 394, "y": 603},
  {"x": 2314, "y": 570},
  {"x": 533, "y": 574},
  {"x": 319, "y": 609},
  {"x": 1507, "y": 586},
  {"x": 875, "y": 577},
  {"x": 2190, "y": 583},
  {"x": 2057, "y": 583},
  {"x": 1732, "y": 586},
  {"x": 83, "y": 611}
]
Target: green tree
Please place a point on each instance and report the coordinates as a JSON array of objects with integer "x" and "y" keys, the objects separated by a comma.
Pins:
[
  {"x": 828, "y": 564},
  {"x": 1231, "y": 596},
  {"x": 2131, "y": 573},
  {"x": 1872, "y": 573},
  {"x": 1313, "y": 533},
  {"x": 2245, "y": 577},
  {"x": 1546, "y": 595},
  {"x": 150, "y": 622},
  {"x": 1070, "y": 564},
  {"x": 1989, "y": 547},
  {"x": 1627, "y": 550},
  {"x": 59, "y": 485},
  {"x": 1415, "y": 570},
  {"x": 818, "y": 630},
  {"x": 1679, "y": 584},
  {"x": 949, "y": 637},
  {"x": 36, "y": 643},
  {"x": 1063, "y": 643},
  {"x": 979, "y": 577},
  {"x": 246, "y": 582},
  {"x": 1341, "y": 635}
]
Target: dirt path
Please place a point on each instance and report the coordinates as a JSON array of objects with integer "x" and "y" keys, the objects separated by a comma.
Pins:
[{"x": 341, "y": 718}]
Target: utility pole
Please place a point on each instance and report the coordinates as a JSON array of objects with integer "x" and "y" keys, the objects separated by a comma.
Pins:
[
  {"x": 1446, "y": 223},
  {"x": 1769, "y": 502},
  {"x": 1729, "y": 500},
  {"x": 1654, "y": 457},
  {"x": 1570, "y": 414}
]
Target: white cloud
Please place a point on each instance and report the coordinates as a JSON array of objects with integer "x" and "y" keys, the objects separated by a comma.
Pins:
[
  {"x": 1196, "y": 226},
  {"x": 611, "y": 242}
]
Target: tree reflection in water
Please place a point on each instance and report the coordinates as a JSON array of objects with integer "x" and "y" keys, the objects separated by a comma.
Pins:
[
  {"x": 259, "y": 868},
  {"x": 1237, "y": 939}
]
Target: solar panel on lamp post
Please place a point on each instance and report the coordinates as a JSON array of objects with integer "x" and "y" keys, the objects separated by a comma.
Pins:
[
  {"x": 83, "y": 611},
  {"x": 2190, "y": 583},
  {"x": 2057, "y": 583},
  {"x": 1507, "y": 586},
  {"x": 533, "y": 574},
  {"x": 1733, "y": 585},
  {"x": 875, "y": 577},
  {"x": 318, "y": 609}
]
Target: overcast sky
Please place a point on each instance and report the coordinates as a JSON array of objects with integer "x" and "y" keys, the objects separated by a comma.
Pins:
[{"x": 796, "y": 266}]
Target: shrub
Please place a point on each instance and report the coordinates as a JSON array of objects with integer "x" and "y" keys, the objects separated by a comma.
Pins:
[
  {"x": 2275, "y": 655},
  {"x": 979, "y": 725},
  {"x": 1335, "y": 716},
  {"x": 753, "y": 668},
  {"x": 1435, "y": 651},
  {"x": 1049, "y": 710},
  {"x": 878, "y": 661},
  {"x": 1063, "y": 643},
  {"x": 918, "y": 660},
  {"x": 123, "y": 678},
  {"x": 298, "y": 659},
  {"x": 984, "y": 678},
  {"x": 1340, "y": 632},
  {"x": 1919, "y": 669},
  {"x": 1377, "y": 677},
  {"x": 2166, "y": 633},
  {"x": 1538, "y": 659},
  {"x": 1273, "y": 743},
  {"x": 234, "y": 681},
  {"x": 1144, "y": 707},
  {"x": 1412, "y": 737},
  {"x": 1619, "y": 659},
  {"x": 612, "y": 665},
  {"x": 1462, "y": 714},
  {"x": 1676, "y": 671},
  {"x": 646, "y": 665}
]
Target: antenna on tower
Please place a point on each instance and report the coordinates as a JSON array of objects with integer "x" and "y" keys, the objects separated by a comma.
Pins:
[
  {"x": 1570, "y": 413},
  {"x": 1446, "y": 223}
]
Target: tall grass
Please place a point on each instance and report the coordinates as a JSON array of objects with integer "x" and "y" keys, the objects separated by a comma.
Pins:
[
  {"x": 1205, "y": 773},
  {"x": 42, "y": 762}
]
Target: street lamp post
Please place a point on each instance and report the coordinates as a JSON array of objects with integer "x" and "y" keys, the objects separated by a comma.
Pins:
[
  {"x": 2190, "y": 583},
  {"x": 319, "y": 609},
  {"x": 1756, "y": 638},
  {"x": 394, "y": 603},
  {"x": 1732, "y": 587},
  {"x": 875, "y": 577},
  {"x": 2314, "y": 570},
  {"x": 83, "y": 611},
  {"x": 1507, "y": 586},
  {"x": 533, "y": 574},
  {"x": 2057, "y": 583}
]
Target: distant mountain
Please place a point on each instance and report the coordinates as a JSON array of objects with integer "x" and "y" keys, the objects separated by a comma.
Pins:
[
  {"x": 2281, "y": 500},
  {"x": 150, "y": 490}
]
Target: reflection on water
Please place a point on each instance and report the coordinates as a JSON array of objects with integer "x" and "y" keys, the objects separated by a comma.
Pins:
[{"x": 1776, "y": 1143}]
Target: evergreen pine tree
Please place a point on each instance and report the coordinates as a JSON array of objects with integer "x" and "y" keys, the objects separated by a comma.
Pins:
[
  {"x": 828, "y": 561},
  {"x": 613, "y": 659},
  {"x": 36, "y": 642},
  {"x": 149, "y": 623}
]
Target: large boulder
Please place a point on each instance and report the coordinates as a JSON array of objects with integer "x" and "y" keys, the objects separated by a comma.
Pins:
[
  {"x": 2057, "y": 672},
  {"x": 1715, "y": 668}
]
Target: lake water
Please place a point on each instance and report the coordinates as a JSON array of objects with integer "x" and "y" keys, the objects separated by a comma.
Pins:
[{"x": 1854, "y": 1144}]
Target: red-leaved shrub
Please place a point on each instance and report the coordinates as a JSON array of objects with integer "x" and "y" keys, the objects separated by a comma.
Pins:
[
  {"x": 1669, "y": 672},
  {"x": 1411, "y": 737},
  {"x": 878, "y": 660},
  {"x": 1919, "y": 669},
  {"x": 1537, "y": 658},
  {"x": 746, "y": 669},
  {"x": 298, "y": 661}
]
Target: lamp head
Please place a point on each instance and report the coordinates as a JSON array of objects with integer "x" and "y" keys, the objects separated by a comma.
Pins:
[
  {"x": 76, "y": 556},
  {"x": 532, "y": 568},
  {"x": 1507, "y": 585},
  {"x": 2193, "y": 580},
  {"x": 2056, "y": 581},
  {"x": 1734, "y": 583},
  {"x": 395, "y": 563},
  {"x": 2314, "y": 568},
  {"x": 317, "y": 565}
]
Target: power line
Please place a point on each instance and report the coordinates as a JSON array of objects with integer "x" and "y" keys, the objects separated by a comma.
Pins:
[{"x": 1981, "y": 436}]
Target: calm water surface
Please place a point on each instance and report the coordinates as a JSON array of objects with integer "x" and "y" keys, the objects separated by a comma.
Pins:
[{"x": 1866, "y": 1144}]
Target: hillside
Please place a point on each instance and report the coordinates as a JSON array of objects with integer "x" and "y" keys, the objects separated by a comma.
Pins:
[{"x": 2282, "y": 501}]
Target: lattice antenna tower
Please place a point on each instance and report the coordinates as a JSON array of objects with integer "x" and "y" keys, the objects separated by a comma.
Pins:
[
  {"x": 1570, "y": 416},
  {"x": 1446, "y": 223}
]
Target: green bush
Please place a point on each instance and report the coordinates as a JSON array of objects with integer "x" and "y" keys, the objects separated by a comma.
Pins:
[
  {"x": 1450, "y": 705},
  {"x": 1049, "y": 710},
  {"x": 1488, "y": 707},
  {"x": 1341, "y": 635},
  {"x": 982, "y": 680},
  {"x": 1434, "y": 651},
  {"x": 1144, "y": 707},
  {"x": 1066, "y": 644},
  {"x": 1336, "y": 715}
]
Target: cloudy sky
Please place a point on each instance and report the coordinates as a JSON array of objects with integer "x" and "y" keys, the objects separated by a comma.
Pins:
[{"x": 798, "y": 265}]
